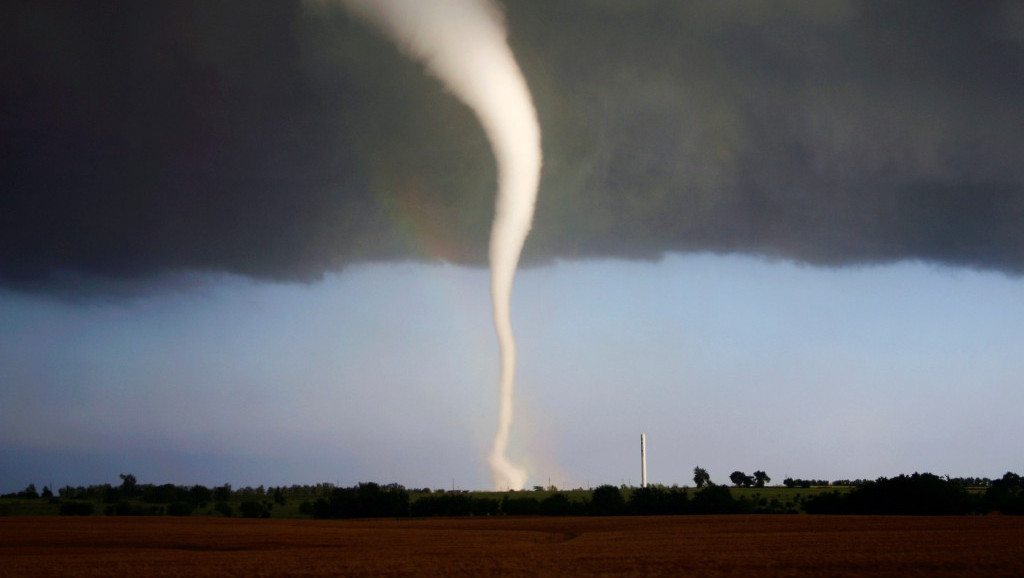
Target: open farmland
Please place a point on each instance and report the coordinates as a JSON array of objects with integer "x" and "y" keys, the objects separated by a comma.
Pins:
[{"x": 641, "y": 546}]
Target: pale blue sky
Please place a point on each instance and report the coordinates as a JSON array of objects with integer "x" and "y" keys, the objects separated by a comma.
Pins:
[{"x": 388, "y": 373}]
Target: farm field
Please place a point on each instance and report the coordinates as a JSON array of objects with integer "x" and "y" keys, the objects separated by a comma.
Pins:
[{"x": 761, "y": 545}]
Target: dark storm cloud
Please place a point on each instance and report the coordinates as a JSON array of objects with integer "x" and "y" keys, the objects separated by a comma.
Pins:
[{"x": 278, "y": 141}]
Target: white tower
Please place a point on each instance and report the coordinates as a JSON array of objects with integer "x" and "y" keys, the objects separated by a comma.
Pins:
[{"x": 643, "y": 460}]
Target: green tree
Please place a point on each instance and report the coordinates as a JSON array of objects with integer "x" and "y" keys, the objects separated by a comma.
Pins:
[{"x": 701, "y": 477}]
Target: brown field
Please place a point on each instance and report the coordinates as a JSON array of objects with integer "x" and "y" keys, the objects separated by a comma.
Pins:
[{"x": 704, "y": 546}]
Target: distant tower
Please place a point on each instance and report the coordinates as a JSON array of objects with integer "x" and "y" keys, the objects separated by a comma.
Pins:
[{"x": 643, "y": 460}]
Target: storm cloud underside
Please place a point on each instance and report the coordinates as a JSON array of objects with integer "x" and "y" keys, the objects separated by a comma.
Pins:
[{"x": 266, "y": 140}]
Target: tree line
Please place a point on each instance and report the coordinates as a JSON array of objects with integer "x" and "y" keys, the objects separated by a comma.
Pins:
[
  {"x": 131, "y": 498},
  {"x": 368, "y": 500},
  {"x": 916, "y": 494},
  {"x": 921, "y": 495}
]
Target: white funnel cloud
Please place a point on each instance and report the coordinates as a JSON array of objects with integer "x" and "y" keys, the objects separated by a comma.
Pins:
[{"x": 463, "y": 43}]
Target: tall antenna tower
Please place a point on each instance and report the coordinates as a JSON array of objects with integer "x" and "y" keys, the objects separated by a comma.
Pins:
[{"x": 643, "y": 460}]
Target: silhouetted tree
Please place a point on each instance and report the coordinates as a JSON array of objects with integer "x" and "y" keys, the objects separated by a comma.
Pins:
[
  {"x": 451, "y": 504},
  {"x": 179, "y": 509},
  {"x": 199, "y": 496},
  {"x": 254, "y": 509},
  {"x": 741, "y": 480},
  {"x": 701, "y": 477},
  {"x": 655, "y": 500},
  {"x": 1005, "y": 495},
  {"x": 520, "y": 506},
  {"x": 826, "y": 503},
  {"x": 76, "y": 508},
  {"x": 367, "y": 500},
  {"x": 713, "y": 500},
  {"x": 760, "y": 479},
  {"x": 279, "y": 498},
  {"x": 914, "y": 495},
  {"x": 606, "y": 500},
  {"x": 129, "y": 485},
  {"x": 163, "y": 494},
  {"x": 556, "y": 504},
  {"x": 391, "y": 500},
  {"x": 222, "y": 493},
  {"x": 111, "y": 495}
]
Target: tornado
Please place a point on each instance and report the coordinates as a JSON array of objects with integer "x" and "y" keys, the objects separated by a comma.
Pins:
[{"x": 464, "y": 44}]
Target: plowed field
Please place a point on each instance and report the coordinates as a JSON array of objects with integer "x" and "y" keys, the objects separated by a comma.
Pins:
[{"x": 704, "y": 546}]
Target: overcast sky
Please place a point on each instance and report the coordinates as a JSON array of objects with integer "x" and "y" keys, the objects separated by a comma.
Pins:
[{"x": 246, "y": 242}]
